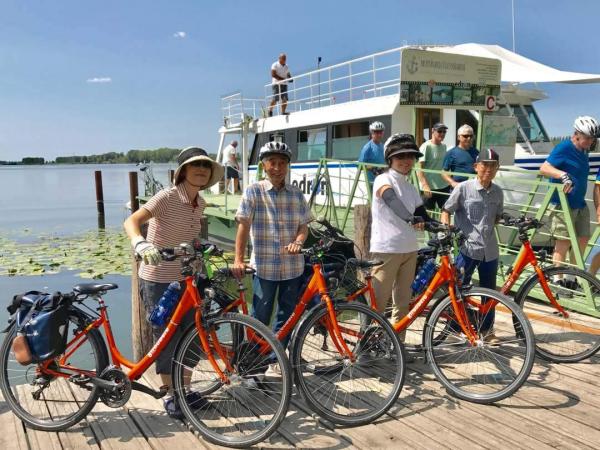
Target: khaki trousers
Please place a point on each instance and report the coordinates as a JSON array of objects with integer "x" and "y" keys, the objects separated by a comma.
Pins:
[{"x": 393, "y": 279}]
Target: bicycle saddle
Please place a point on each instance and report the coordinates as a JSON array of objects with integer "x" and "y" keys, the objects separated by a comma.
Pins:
[{"x": 93, "y": 288}]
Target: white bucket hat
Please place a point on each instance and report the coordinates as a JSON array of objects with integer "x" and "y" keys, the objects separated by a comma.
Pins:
[{"x": 191, "y": 154}]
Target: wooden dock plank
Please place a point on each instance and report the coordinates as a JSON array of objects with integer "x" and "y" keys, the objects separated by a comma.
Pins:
[{"x": 12, "y": 433}]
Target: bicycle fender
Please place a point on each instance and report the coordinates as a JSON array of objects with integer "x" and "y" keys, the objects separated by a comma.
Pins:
[{"x": 303, "y": 319}]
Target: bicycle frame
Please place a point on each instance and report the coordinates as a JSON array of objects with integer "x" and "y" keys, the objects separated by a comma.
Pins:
[
  {"x": 316, "y": 286},
  {"x": 446, "y": 274},
  {"x": 527, "y": 256},
  {"x": 190, "y": 300}
]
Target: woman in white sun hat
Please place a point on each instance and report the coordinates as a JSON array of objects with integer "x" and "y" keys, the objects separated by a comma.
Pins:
[{"x": 173, "y": 217}]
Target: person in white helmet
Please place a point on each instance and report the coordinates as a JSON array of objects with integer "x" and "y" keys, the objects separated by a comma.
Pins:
[
  {"x": 275, "y": 215},
  {"x": 372, "y": 152},
  {"x": 568, "y": 163}
]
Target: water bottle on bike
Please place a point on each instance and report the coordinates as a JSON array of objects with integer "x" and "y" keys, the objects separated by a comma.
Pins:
[
  {"x": 165, "y": 305},
  {"x": 424, "y": 276}
]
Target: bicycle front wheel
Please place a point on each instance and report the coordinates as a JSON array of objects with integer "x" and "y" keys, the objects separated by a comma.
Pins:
[
  {"x": 497, "y": 363},
  {"x": 564, "y": 336},
  {"x": 50, "y": 402},
  {"x": 348, "y": 390},
  {"x": 247, "y": 407}
]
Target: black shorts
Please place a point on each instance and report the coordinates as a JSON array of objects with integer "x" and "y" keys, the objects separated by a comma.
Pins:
[
  {"x": 280, "y": 92},
  {"x": 232, "y": 173}
]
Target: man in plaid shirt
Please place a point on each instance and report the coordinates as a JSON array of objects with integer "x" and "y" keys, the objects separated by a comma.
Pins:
[{"x": 275, "y": 215}]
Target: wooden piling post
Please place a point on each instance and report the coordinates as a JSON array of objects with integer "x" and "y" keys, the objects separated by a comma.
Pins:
[
  {"x": 99, "y": 192},
  {"x": 362, "y": 230},
  {"x": 133, "y": 192},
  {"x": 171, "y": 175}
]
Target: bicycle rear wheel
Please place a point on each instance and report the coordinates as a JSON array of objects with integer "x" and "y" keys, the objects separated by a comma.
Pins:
[
  {"x": 500, "y": 360},
  {"x": 559, "y": 337},
  {"x": 46, "y": 402},
  {"x": 250, "y": 406},
  {"x": 348, "y": 391}
]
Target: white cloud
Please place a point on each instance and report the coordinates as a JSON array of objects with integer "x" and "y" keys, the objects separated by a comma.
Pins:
[
  {"x": 180, "y": 35},
  {"x": 99, "y": 80}
]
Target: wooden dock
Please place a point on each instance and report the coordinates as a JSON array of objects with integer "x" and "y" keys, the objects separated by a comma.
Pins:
[{"x": 559, "y": 407}]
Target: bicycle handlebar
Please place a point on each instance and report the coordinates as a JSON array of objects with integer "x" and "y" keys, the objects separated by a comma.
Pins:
[{"x": 523, "y": 222}]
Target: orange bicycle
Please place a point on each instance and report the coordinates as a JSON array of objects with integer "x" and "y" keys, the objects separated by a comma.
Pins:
[
  {"x": 347, "y": 361},
  {"x": 215, "y": 360},
  {"x": 453, "y": 337},
  {"x": 562, "y": 303}
]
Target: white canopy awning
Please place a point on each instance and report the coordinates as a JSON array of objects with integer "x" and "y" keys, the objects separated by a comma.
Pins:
[{"x": 517, "y": 68}]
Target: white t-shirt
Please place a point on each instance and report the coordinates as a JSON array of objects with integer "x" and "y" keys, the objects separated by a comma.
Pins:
[
  {"x": 281, "y": 70},
  {"x": 227, "y": 152},
  {"x": 389, "y": 233}
]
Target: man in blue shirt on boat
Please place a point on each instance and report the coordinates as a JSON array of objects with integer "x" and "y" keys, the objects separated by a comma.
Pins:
[
  {"x": 372, "y": 152},
  {"x": 460, "y": 158},
  {"x": 568, "y": 163}
]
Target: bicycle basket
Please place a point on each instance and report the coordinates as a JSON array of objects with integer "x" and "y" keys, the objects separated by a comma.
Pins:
[{"x": 41, "y": 321}]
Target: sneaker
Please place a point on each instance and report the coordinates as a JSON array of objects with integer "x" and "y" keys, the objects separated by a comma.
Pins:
[
  {"x": 270, "y": 113},
  {"x": 172, "y": 408},
  {"x": 273, "y": 371},
  {"x": 194, "y": 399},
  {"x": 564, "y": 288},
  {"x": 491, "y": 338},
  {"x": 253, "y": 381}
]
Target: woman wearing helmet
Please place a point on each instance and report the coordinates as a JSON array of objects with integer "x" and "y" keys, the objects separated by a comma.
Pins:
[
  {"x": 275, "y": 215},
  {"x": 372, "y": 152},
  {"x": 568, "y": 163},
  {"x": 393, "y": 238},
  {"x": 174, "y": 216}
]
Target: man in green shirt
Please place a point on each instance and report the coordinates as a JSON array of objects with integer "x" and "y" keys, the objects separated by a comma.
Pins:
[{"x": 435, "y": 188}]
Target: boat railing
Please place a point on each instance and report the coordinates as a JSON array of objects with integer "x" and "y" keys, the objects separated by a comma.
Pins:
[
  {"x": 236, "y": 108},
  {"x": 524, "y": 193},
  {"x": 369, "y": 76}
]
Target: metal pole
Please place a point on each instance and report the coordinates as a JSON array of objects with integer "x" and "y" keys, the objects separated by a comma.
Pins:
[
  {"x": 99, "y": 192},
  {"x": 133, "y": 191},
  {"x": 319, "y": 78}
]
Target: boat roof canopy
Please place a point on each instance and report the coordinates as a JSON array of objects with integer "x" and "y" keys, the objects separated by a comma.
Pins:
[{"x": 517, "y": 68}]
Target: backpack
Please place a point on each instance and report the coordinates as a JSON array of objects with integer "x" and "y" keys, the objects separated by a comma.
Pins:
[{"x": 42, "y": 325}]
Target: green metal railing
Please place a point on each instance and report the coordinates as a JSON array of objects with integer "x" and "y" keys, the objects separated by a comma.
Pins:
[{"x": 525, "y": 192}]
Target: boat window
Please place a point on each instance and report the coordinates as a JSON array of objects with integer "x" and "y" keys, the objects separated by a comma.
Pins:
[
  {"x": 312, "y": 144},
  {"x": 530, "y": 124},
  {"x": 349, "y": 139}
]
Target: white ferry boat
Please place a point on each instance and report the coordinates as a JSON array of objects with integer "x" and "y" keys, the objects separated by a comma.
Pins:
[{"x": 408, "y": 89}]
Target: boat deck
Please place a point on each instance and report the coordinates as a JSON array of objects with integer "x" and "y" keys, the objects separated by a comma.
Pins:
[{"x": 559, "y": 407}]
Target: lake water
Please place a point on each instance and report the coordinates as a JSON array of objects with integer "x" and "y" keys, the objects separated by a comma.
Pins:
[{"x": 61, "y": 200}]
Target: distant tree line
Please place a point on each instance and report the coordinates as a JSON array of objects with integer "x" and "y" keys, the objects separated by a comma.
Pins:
[{"x": 160, "y": 155}]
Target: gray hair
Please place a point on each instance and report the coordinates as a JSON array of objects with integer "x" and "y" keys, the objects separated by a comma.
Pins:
[{"x": 465, "y": 129}]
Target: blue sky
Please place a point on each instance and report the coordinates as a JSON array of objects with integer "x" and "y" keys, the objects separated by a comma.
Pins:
[{"x": 165, "y": 87}]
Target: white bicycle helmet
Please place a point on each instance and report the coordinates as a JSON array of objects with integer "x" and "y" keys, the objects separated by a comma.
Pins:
[
  {"x": 275, "y": 148},
  {"x": 587, "y": 125},
  {"x": 377, "y": 126}
]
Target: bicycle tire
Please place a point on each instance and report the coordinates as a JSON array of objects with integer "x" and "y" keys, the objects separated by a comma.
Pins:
[
  {"x": 17, "y": 394},
  {"x": 252, "y": 393},
  {"x": 484, "y": 372},
  {"x": 558, "y": 338},
  {"x": 379, "y": 359}
]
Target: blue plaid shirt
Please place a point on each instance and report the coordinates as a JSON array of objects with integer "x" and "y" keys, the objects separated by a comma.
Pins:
[{"x": 274, "y": 217}]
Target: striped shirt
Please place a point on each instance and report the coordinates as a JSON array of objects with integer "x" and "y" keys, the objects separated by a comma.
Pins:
[
  {"x": 274, "y": 216},
  {"x": 175, "y": 219},
  {"x": 476, "y": 211}
]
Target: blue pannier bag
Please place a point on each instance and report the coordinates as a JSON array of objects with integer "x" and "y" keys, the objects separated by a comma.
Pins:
[{"x": 42, "y": 325}]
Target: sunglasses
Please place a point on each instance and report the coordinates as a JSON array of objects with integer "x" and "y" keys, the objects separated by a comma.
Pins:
[
  {"x": 404, "y": 156},
  {"x": 440, "y": 131},
  {"x": 203, "y": 164},
  {"x": 467, "y": 136}
]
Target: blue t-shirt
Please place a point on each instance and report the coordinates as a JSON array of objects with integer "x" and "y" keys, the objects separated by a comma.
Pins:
[
  {"x": 567, "y": 158},
  {"x": 460, "y": 160},
  {"x": 372, "y": 153}
]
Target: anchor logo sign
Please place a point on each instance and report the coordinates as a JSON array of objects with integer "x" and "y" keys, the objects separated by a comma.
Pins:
[{"x": 412, "y": 66}]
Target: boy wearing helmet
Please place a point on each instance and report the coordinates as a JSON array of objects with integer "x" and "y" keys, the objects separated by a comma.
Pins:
[
  {"x": 477, "y": 205},
  {"x": 372, "y": 152},
  {"x": 275, "y": 215},
  {"x": 568, "y": 163},
  {"x": 393, "y": 239}
]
